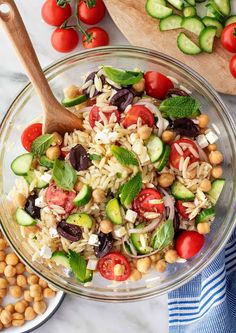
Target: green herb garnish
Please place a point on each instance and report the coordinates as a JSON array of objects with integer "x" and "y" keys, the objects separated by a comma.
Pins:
[
  {"x": 124, "y": 156},
  {"x": 77, "y": 265},
  {"x": 163, "y": 235},
  {"x": 41, "y": 144},
  {"x": 95, "y": 157},
  {"x": 64, "y": 175},
  {"x": 180, "y": 107},
  {"x": 124, "y": 78},
  {"x": 130, "y": 190}
]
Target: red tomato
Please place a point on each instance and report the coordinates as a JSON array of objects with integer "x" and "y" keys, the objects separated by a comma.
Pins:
[
  {"x": 189, "y": 243},
  {"x": 175, "y": 156},
  {"x": 53, "y": 14},
  {"x": 59, "y": 197},
  {"x": 228, "y": 38},
  {"x": 139, "y": 111},
  {"x": 98, "y": 37},
  {"x": 94, "y": 116},
  {"x": 64, "y": 40},
  {"x": 181, "y": 209},
  {"x": 106, "y": 266},
  {"x": 157, "y": 84},
  {"x": 29, "y": 134},
  {"x": 91, "y": 15},
  {"x": 232, "y": 66},
  {"x": 141, "y": 203}
]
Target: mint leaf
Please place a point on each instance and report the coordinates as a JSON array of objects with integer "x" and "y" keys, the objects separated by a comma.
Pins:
[
  {"x": 123, "y": 156},
  {"x": 78, "y": 265},
  {"x": 163, "y": 235},
  {"x": 130, "y": 190},
  {"x": 124, "y": 78},
  {"x": 95, "y": 157},
  {"x": 41, "y": 144},
  {"x": 64, "y": 175},
  {"x": 180, "y": 107}
]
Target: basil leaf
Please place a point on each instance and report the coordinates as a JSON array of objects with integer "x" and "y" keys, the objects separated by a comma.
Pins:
[
  {"x": 163, "y": 235},
  {"x": 77, "y": 265},
  {"x": 64, "y": 175},
  {"x": 124, "y": 156},
  {"x": 130, "y": 190},
  {"x": 95, "y": 157},
  {"x": 41, "y": 144},
  {"x": 124, "y": 78},
  {"x": 180, "y": 107}
]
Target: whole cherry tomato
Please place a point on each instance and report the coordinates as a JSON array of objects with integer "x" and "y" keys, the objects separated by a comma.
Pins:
[
  {"x": 157, "y": 84},
  {"x": 189, "y": 243},
  {"x": 232, "y": 66},
  {"x": 228, "y": 38},
  {"x": 64, "y": 40},
  {"x": 97, "y": 37},
  {"x": 55, "y": 14},
  {"x": 29, "y": 134},
  {"x": 106, "y": 266},
  {"x": 91, "y": 12},
  {"x": 139, "y": 111}
]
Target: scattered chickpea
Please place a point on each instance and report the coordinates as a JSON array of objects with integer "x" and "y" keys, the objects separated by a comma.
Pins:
[
  {"x": 18, "y": 319},
  {"x": 155, "y": 257},
  {"x": 29, "y": 270},
  {"x": 119, "y": 269},
  {"x": 49, "y": 293},
  {"x": 2, "y": 255},
  {"x": 20, "y": 307},
  {"x": 3, "y": 283},
  {"x": 11, "y": 281},
  {"x": 98, "y": 195},
  {"x": 215, "y": 157},
  {"x": 216, "y": 171},
  {"x": 139, "y": 86},
  {"x": 9, "y": 271},
  {"x": 21, "y": 280},
  {"x": 171, "y": 256},
  {"x": 27, "y": 296},
  {"x": 144, "y": 264},
  {"x": 3, "y": 293},
  {"x": 78, "y": 185},
  {"x": 212, "y": 147},
  {"x": 2, "y": 267},
  {"x": 7, "y": 325},
  {"x": 167, "y": 136},
  {"x": 35, "y": 290},
  {"x": 10, "y": 308},
  {"x": 16, "y": 291},
  {"x": 71, "y": 92},
  {"x": 12, "y": 259},
  {"x": 26, "y": 304},
  {"x": 33, "y": 279},
  {"x": 39, "y": 307},
  {"x": 30, "y": 314},
  {"x": 53, "y": 152},
  {"x": 42, "y": 283},
  {"x": 3, "y": 244},
  {"x": 20, "y": 200},
  {"x": 144, "y": 132},
  {"x": 5, "y": 317},
  {"x": 205, "y": 185},
  {"x": 203, "y": 228},
  {"x": 203, "y": 120},
  {"x": 135, "y": 275},
  {"x": 161, "y": 266},
  {"x": 166, "y": 179},
  {"x": 20, "y": 268},
  {"x": 106, "y": 226},
  {"x": 57, "y": 139},
  {"x": 38, "y": 298}
]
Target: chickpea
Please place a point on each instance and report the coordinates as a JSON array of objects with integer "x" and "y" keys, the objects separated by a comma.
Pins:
[
  {"x": 3, "y": 283},
  {"x": 203, "y": 120},
  {"x": 171, "y": 256},
  {"x": 16, "y": 291},
  {"x": 39, "y": 307},
  {"x": 3, "y": 244},
  {"x": 27, "y": 296},
  {"x": 11, "y": 281},
  {"x": 3, "y": 293},
  {"x": 10, "y": 308},
  {"x": 28, "y": 269},
  {"x": 98, "y": 195},
  {"x": 38, "y": 298},
  {"x": 43, "y": 283},
  {"x": 53, "y": 288},
  {"x": 2, "y": 267},
  {"x": 78, "y": 185},
  {"x": 53, "y": 153},
  {"x": 57, "y": 139},
  {"x": 215, "y": 157},
  {"x": 49, "y": 293},
  {"x": 216, "y": 171},
  {"x": 35, "y": 290},
  {"x": 2, "y": 255},
  {"x": 9, "y": 271},
  {"x": 20, "y": 268},
  {"x": 144, "y": 264},
  {"x": 12, "y": 259},
  {"x": 33, "y": 279},
  {"x": 166, "y": 179},
  {"x": 119, "y": 270},
  {"x": 135, "y": 275},
  {"x": 205, "y": 185},
  {"x": 161, "y": 266},
  {"x": 30, "y": 314},
  {"x": 71, "y": 92},
  {"x": 20, "y": 307},
  {"x": 7, "y": 325},
  {"x": 212, "y": 147},
  {"x": 139, "y": 86},
  {"x": 5, "y": 317},
  {"x": 203, "y": 228},
  {"x": 144, "y": 132},
  {"x": 21, "y": 280},
  {"x": 25, "y": 303},
  {"x": 18, "y": 319},
  {"x": 167, "y": 136},
  {"x": 20, "y": 200},
  {"x": 106, "y": 226}
]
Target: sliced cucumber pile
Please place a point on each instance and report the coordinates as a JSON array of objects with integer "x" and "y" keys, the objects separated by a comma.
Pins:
[
  {"x": 186, "y": 45},
  {"x": 206, "y": 39},
  {"x": 193, "y": 24},
  {"x": 171, "y": 22}
]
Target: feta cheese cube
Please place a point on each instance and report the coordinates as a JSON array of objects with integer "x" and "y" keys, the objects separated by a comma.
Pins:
[
  {"x": 120, "y": 232},
  {"x": 53, "y": 232},
  {"x": 113, "y": 136},
  {"x": 131, "y": 215},
  {"x": 133, "y": 137},
  {"x": 45, "y": 252},
  {"x": 92, "y": 264},
  {"x": 93, "y": 240},
  {"x": 137, "y": 147},
  {"x": 144, "y": 157},
  {"x": 39, "y": 202},
  {"x": 46, "y": 177},
  {"x": 202, "y": 141},
  {"x": 102, "y": 137},
  {"x": 166, "y": 123},
  {"x": 211, "y": 137}
]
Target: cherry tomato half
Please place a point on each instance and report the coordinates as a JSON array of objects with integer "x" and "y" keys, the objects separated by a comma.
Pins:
[
  {"x": 232, "y": 66},
  {"x": 98, "y": 37},
  {"x": 142, "y": 204},
  {"x": 157, "y": 84},
  {"x": 228, "y": 38},
  {"x": 91, "y": 15},
  {"x": 106, "y": 266},
  {"x": 139, "y": 111},
  {"x": 189, "y": 243},
  {"x": 94, "y": 116},
  {"x": 64, "y": 40},
  {"x": 181, "y": 209},
  {"x": 30, "y": 134},
  {"x": 53, "y": 14},
  {"x": 59, "y": 197},
  {"x": 175, "y": 156}
]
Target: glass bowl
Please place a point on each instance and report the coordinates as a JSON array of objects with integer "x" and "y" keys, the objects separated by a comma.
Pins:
[{"x": 26, "y": 109}]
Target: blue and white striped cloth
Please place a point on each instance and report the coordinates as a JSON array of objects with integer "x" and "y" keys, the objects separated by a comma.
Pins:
[{"x": 207, "y": 304}]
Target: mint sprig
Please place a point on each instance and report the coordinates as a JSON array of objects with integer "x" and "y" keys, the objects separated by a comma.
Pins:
[
  {"x": 41, "y": 144},
  {"x": 163, "y": 235},
  {"x": 124, "y": 156},
  {"x": 124, "y": 78},
  {"x": 130, "y": 190},
  {"x": 180, "y": 107},
  {"x": 64, "y": 175},
  {"x": 77, "y": 265}
]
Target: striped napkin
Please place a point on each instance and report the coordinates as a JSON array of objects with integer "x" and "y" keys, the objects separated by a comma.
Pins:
[{"x": 207, "y": 304}]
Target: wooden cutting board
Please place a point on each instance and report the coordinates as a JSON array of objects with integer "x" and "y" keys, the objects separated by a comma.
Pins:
[{"x": 142, "y": 30}]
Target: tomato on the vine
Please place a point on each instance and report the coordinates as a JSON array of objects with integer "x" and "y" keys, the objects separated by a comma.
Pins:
[
  {"x": 64, "y": 40},
  {"x": 189, "y": 243},
  {"x": 91, "y": 11},
  {"x": 29, "y": 134},
  {"x": 55, "y": 12},
  {"x": 94, "y": 116},
  {"x": 157, "y": 84},
  {"x": 139, "y": 111},
  {"x": 232, "y": 66},
  {"x": 228, "y": 38},
  {"x": 96, "y": 37},
  {"x": 107, "y": 264},
  {"x": 144, "y": 202},
  {"x": 175, "y": 156}
]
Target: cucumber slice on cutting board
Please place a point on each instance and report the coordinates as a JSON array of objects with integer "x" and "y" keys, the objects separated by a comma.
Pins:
[
  {"x": 193, "y": 24},
  {"x": 206, "y": 39},
  {"x": 230, "y": 20},
  {"x": 180, "y": 192},
  {"x": 216, "y": 189},
  {"x": 171, "y": 22},
  {"x": 211, "y": 21},
  {"x": 178, "y": 4},
  {"x": 21, "y": 164},
  {"x": 223, "y": 6},
  {"x": 205, "y": 215},
  {"x": 113, "y": 211},
  {"x": 157, "y": 9},
  {"x": 186, "y": 45},
  {"x": 155, "y": 148},
  {"x": 189, "y": 11},
  {"x": 23, "y": 218},
  {"x": 80, "y": 219}
]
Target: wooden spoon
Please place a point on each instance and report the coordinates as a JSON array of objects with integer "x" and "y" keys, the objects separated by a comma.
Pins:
[{"x": 56, "y": 117}]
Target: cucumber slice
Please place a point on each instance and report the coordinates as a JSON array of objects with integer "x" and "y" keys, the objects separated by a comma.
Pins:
[
  {"x": 206, "y": 39},
  {"x": 171, "y": 22},
  {"x": 80, "y": 219},
  {"x": 189, "y": 11},
  {"x": 155, "y": 148},
  {"x": 23, "y": 218},
  {"x": 186, "y": 45},
  {"x": 223, "y": 6},
  {"x": 157, "y": 10},
  {"x": 191, "y": 2},
  {"x": 216, "y": 189},
  {"x": 84, "y": 196},
  {"x": 206, "y": 215},
  {"x": 230, "y": 20},
  {"x": 193, "y": 24},
  {"x": 178, "y": 4},
  {"x": 88, "y": 276},
  {"x": 135, "y": 239},
  {"x": 31, "y": 176},
  {"x": 61, "y": 258},
  {"x": 113, "y": 211},
  {"x": 213, "y": 11},
  {"x": 211, "y": 21},
  {"x": 69, "y": 102},
  {"x": 180, "y": 192},
  {"x": 21, "y": 165},
  {"x": 44, "y": 161},
  {"x": 164, "y": 159}
]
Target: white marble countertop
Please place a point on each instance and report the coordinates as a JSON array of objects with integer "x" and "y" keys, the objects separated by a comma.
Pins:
[{"x": 76, "y": 314}]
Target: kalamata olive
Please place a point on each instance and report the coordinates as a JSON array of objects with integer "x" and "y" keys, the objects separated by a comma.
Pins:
[
  {"x": 176, "y": 91},
  {"x": 176, "y": 222},
  {"x": 122, "y": 99},
  {"x": 71, "y": 232},
  {"x": 185, "y": 127},
  {"x": 105, "y": 245},
  {"x": 79, "y": 158},
  {"x": 30, "y": 207}
]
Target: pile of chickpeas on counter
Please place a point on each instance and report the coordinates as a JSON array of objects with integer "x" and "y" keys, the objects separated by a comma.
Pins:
[{"x": 21, "y": 284}]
